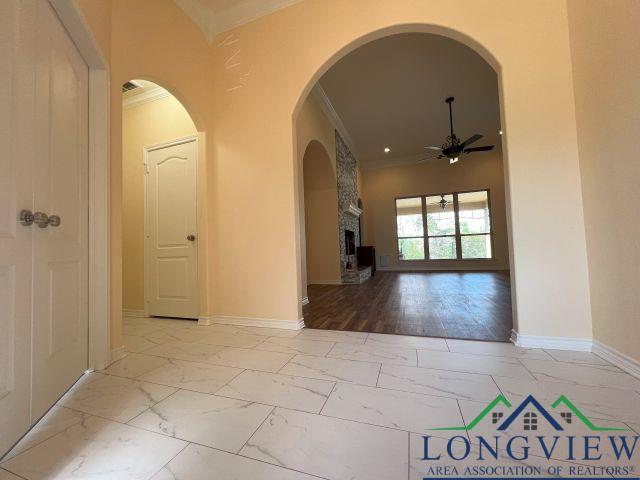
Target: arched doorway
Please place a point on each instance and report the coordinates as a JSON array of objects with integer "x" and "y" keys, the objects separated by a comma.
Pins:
[
  {"x": 402, "y": 106},
  {"x": 161, "y": 240}
]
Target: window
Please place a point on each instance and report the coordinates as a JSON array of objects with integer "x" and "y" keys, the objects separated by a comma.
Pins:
[
  {"x": 567, "y": 417},
  {"x": 452, "y": 226},
  {"x": 530, "y": 421},
  {"x": 410, "y": 228}
]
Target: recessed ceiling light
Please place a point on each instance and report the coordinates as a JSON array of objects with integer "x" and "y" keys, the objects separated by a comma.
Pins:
[{"x": 387, "y": 149}]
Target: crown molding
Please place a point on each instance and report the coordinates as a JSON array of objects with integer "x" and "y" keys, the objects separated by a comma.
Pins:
[
  {"x": 213, "y": 22},
  {"x": 395, "y": 162},
  {"x": 327, "y": 107},
  {"x": 152, "y": 95}
]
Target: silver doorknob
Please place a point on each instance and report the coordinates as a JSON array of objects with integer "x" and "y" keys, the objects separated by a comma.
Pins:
[
  {"x": 191, "y": 238},
  {"x": 41, "y": 219},
  {"x": 26, "y": 217}
]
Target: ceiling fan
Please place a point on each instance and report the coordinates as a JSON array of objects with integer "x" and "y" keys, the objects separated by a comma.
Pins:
[{"x": 453, "y": 147}]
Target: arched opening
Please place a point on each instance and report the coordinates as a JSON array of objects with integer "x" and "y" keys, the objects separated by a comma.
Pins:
[
  {"x": 435, "y": 225},
  {"x": 162, "y": 244},
  {"x": 321, "y": 259}
]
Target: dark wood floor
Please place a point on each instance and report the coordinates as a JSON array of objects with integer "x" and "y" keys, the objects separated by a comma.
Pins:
[{"x": 473, "y": 305}]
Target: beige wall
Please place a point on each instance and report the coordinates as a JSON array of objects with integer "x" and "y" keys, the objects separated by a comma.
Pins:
[
  {"x": 605, "y": 46},
  {"x": 249, "y": 111},
  {"x": 382, "y": 186},
  {"x": 143, "y": 125},
  {"x": 154, "y": 40},
  {"x": 311, "y": 125},
  {"x": 321, "y": 216}
]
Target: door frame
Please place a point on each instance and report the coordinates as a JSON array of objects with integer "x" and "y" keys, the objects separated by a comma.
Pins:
[
  {"x": 145, "y": 153},
  {"x": 99, "y": 341}
]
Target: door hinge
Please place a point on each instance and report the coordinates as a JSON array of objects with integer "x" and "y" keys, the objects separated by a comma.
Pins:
[{"x": 146, "y": 168}]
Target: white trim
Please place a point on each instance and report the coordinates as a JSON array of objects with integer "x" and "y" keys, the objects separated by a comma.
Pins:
[
  {"x": 157, "y": 93},
  {"x": 171, "y": 143},
  {"x": 617, "y": 358},
  {"x": 78, "y": 29},
  {"x": 257, "y": 322},
  {"x": 552, "y": 343},
  {"x": 133, "y": 312},
  {"x": 324, "y": 282},
  {"x": 204, "y": 321},
  {"x": 118, "y": 354},
  {"x": 305, "y": 301},
  {"x": 213, "y": 21},
  {"x": 327, "y": 107},
  {"x": 419, "y": 267}
]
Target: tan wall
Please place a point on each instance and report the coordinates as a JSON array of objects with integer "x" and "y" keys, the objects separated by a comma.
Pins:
[
  {"x": 143, "y": 125},
  {"x": 312, "y": 125},
  {"x": 321, "y": 216},
  {"x": 606, "y": 68},
  {"x": 154, "y": 40},
  {"x": 382, "y": 186},
  {"x": 251, "y": 155}
]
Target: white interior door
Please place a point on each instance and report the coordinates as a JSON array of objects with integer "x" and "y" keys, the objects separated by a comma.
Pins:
[
  {"x": 171, "y": 274},
  {"x": 43, "y": 167},
  {"x": 16, "y": 135},
  {"x": 60, "y": 253}
]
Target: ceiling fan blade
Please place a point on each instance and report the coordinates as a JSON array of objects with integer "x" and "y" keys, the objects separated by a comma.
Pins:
[
  {"x": 470, "y": 140},
  {"x": 433, "y": 148},
  {"x": 478, "y": 149}
]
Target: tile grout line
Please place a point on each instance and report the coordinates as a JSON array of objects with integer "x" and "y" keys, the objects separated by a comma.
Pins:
[
  {"x": 266, "y": 418},
  {"x": 170, "y": 460},
  {"x": 327, "y": 399},
  {"x": 408, "y": 456},
  {"x": 13, "y": 473}
]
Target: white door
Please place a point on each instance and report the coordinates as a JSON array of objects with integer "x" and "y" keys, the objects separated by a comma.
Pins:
[
  {"x": 171, "y": 274},
  {"x": 16, "y": 134},
  {"x": 60, "y": 187},
  {"x": 43, "y": 168}
]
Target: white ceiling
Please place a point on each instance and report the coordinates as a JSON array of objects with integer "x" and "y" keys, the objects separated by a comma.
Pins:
[
  {"x": 391, "y": 92},
  {"x": 217, "y": 16}
]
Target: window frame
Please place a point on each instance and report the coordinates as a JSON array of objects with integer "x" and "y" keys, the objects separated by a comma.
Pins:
[
  {"x": 424, "y": 229},
  {"x": 457, "y": 235}
]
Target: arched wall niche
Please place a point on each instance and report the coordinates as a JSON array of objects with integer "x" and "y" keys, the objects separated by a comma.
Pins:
[{"x": 320, "y": 250}]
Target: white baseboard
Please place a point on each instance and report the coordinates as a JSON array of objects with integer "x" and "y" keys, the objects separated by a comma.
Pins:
[
  {"x": 324, "y": 282},
  {"x": 305, "y": 301},
  {"x": 117, "y": 354},
  {"x": 552, "y": 343},
  {"x": 449, "y": 268},
  {"x": 256, "y": 322},
  {"x": 131, "y": 312},
  {"x": 617, "y": 358}
]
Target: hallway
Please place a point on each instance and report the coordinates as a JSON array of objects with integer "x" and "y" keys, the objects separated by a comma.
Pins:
[{"x": 190, "y": 402}]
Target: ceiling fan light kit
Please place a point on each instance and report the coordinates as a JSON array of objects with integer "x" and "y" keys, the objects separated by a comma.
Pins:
[{"x": 453, "y": 148}]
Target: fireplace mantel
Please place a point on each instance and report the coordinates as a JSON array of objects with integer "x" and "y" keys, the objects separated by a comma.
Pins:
[{"x": 353, "y": 210}]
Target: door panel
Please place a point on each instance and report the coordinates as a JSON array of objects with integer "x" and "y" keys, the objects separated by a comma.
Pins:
[
  {"x": 60, "y": 254},
  {"x": 171, "y": 283},
  {"x": 16, "y": 154}
]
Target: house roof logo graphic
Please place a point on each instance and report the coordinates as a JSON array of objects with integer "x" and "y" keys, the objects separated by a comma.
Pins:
[{"x": 527, "y": 404}]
